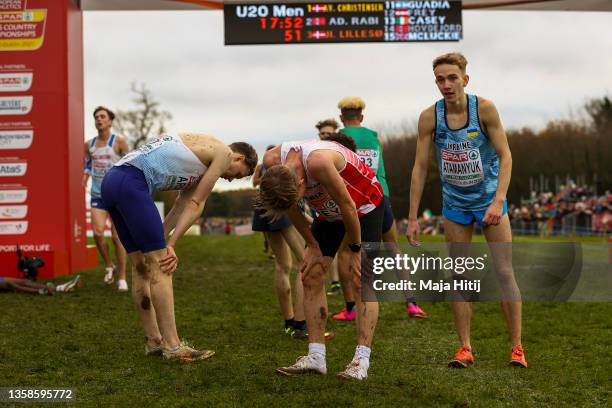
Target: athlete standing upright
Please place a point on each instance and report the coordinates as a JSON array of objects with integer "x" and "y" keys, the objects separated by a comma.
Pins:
[
  {"x": 101, "y": 153},
  {"x": 475, "y": 164}
]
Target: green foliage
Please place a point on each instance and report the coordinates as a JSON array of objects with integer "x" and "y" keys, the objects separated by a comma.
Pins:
[{"x": 92, "y": 341}]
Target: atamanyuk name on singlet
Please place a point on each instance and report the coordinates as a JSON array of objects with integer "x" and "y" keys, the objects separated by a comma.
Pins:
[{"x": 377, "y": 21}]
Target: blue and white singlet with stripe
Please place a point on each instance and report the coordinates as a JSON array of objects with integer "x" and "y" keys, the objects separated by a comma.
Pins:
[
  {"x": 101, "y": 160},
  {"x": 166, "y": 163},
  {"x": 467, "y": 162}
]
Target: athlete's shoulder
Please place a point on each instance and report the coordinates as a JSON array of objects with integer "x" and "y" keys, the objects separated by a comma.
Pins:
[
  {"x": 428, "y": 116},
  {"x": 486, "y": 108}
]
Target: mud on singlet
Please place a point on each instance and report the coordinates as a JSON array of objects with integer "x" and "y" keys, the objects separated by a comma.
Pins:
[{"x": 360, "y": 181}]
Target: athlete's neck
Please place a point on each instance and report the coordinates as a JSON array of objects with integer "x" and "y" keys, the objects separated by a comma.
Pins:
[
  {"x": 104, "y": 134},
  {"x": 458, "y": 106},
  {"x": 352, "y": 123}
]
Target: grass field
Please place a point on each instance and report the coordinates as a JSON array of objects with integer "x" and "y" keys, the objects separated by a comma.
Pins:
[{"x": 91, "y": 341}]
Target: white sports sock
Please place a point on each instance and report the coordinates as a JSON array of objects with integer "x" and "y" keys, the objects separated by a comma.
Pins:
[
  {"x": 363, "y": 353},
  {"x": 60, "y": 288},
  {"x": 317, "y": 350}
]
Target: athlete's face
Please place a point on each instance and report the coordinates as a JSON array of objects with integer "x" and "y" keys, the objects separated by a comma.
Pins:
[
  {"x": 237, "y": 169},
  {"x": 103, "y": 121},
  {"x": 451, "y": 81},
  {"x": 326, "y": 131}
]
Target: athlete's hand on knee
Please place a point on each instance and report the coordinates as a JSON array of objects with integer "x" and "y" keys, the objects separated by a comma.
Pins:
[
  {"x": 169, "y": 262},
  {"x": 414, "y": 232},
  {"x": 312, "y": 257},
  {"x": 493, "y": 214}
]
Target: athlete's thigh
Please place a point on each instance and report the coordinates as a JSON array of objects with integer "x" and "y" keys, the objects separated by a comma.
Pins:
[
  {"x": 98, "y": 220},
  {"x": 499, "y": 239},
  {"x": 455, "y": 232},
  {"x": 279, "y": 247},
  {"x": 295, "y": 241},
  {"x": 501, "y": 232}
]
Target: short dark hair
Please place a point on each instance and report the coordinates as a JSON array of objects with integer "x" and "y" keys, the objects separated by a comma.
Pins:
[
  {"x": 327, "y": 122},
  {"x": 342, "y": 139},
  {"x": 250, "y": 155},
  {"x": 109, "y": 112}
]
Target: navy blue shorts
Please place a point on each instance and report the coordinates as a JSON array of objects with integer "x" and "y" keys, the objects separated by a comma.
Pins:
[
  {"x": 388, "y": 215},
  {"x": 96, "y": 202},
  {"x": 261, "y": 223},
  {"x": 127, "y": 199}
]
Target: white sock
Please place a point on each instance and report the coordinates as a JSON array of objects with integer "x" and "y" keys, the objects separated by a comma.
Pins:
[
  {"x": 60, "y": 288},
  {"x": 317, "y": 350},
  {"x": 363, "y": 353}
]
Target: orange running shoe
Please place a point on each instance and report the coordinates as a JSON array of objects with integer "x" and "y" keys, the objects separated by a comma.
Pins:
[
  {"x": 463, "y": 358},
  {"x": 517, "y": 358}
]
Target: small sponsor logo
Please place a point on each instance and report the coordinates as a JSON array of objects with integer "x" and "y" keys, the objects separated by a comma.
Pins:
[
  {"x": 15, "y": 81},
  {"x": 13, "y": 212},
  {"x": 16, "y": 196},
  {"x": 16, "y": 105},
  {"x": 16, "y": 139},
  {"x": 9, "y": 169},
  {"x": 13, "y": 227}
]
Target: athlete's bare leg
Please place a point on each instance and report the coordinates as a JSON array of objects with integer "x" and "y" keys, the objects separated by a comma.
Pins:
[
  {"x": 367, "y": 312},
  {"x": 462, "y": 311},
  {"x": 343, "y": 260},
  {"x": 24, "y": 285},
  {"x": 282, "y": 263},
  {"x": 154, "y": 298},
  {"x": 119, "y": 253},
  {"x": 296, "y": 244},
  {"x": 333, "y": 271},
  {"x": 98, "y": 223},
  {"x": 315, "y": 301},
  {"x": 502, "y": 261}
]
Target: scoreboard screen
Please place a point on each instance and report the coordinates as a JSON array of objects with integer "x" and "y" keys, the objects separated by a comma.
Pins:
[{"x": 375, "y": 21}]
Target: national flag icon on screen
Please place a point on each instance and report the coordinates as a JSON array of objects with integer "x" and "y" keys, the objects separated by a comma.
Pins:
[
  {"x": 472, "y": 133},
  {"x": 319, "y": 34},
  {"x": 318, "y": 8},
  {"x": 319, "y": 21},
  {"x": 401, "y": 13}
]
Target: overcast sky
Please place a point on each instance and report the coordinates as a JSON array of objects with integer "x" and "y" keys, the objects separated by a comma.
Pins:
[{"x": 535, "y": 66}]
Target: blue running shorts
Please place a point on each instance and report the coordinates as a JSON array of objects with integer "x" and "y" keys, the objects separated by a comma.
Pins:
[{"x": 468, "y": 217}]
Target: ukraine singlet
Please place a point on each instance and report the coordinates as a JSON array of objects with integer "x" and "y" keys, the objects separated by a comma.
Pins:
[
  {"x": 101, "y": 160},
  {"x": 359, "y": 179},
  {"x": 166, "y": 163},
  {"x": 369, "y": 151},
  {"x": 467, "y": 162}
]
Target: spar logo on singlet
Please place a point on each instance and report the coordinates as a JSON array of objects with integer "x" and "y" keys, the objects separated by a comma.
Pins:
[
  {"x": 370, "y": 157},
  {"x": 461, "y": 164}
]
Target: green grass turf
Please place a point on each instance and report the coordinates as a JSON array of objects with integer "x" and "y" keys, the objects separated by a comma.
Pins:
[{"x": 91, "y": 340}]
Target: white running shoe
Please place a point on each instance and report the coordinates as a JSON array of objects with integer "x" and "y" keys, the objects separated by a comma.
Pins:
[
  {"x": 70, "y": 285},
  {"x": 109, "y": 276},
  {"x": 122, "y": 285},
  {"x": 304, "y": 365},
  {"x": 186, "y": 354},
  {"x": 355, "y": 370}
]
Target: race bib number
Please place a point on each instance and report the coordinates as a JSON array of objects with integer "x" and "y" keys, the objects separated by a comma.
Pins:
[
  {"x": 462, "y": 168},
  {"x": 369, "y": 157}
]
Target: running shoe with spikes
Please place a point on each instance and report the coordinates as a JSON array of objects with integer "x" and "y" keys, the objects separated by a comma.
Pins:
[
  {"x": 517, "y": 358},
  {"x": 355, "y": 370},
  {"x": 344, "y": 315},
  {"x": 463, "y": 358},
  {"x": 305, "y": 365},
  {"x": 186, "y": 354},
  {"x": 109, "y": 276},
  {"x": 414, "y": 310}
]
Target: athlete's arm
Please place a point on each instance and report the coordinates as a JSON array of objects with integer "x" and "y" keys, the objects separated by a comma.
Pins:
[
  {"x": 122, "y": 145},
  {"x": 191, "y": 204},
  {"x": 493, "y": 126},
  {"x": 325, "y": 172},
  {"x": 419, "y": 172},
  {"x": 87, "y": 164}
]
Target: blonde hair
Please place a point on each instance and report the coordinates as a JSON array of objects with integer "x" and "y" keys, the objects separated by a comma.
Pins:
[
  {"x": 452, "y": 58},
  {"x": 278, "y": 190},
  {"x": 351, "y": 102}
]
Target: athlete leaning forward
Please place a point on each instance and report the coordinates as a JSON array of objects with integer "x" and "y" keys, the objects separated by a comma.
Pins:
[
  {"x": 192, "y": 164},
  {"x": 348, "y": 200}
]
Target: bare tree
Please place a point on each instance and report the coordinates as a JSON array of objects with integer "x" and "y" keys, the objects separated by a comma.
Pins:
[{"x": 146, "y": 120}]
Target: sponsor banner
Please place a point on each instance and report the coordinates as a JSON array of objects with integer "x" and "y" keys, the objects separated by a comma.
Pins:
[
  {"x": 13, "y": 167},
  {"x": 13, "y": 195},
  {"x": 243, "y": 229},
  {"x": 16, "y": 139},
  {"x": 13, "y": 227},
  {"x": 22, "y": 30},
  {"x": 15, "y": 81},
  {"x": 41, "y": 247},
  {"x": 15, "y": 105},
  {"x": 13, "y": 212},
  {"x": 12, "y": 5}
]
